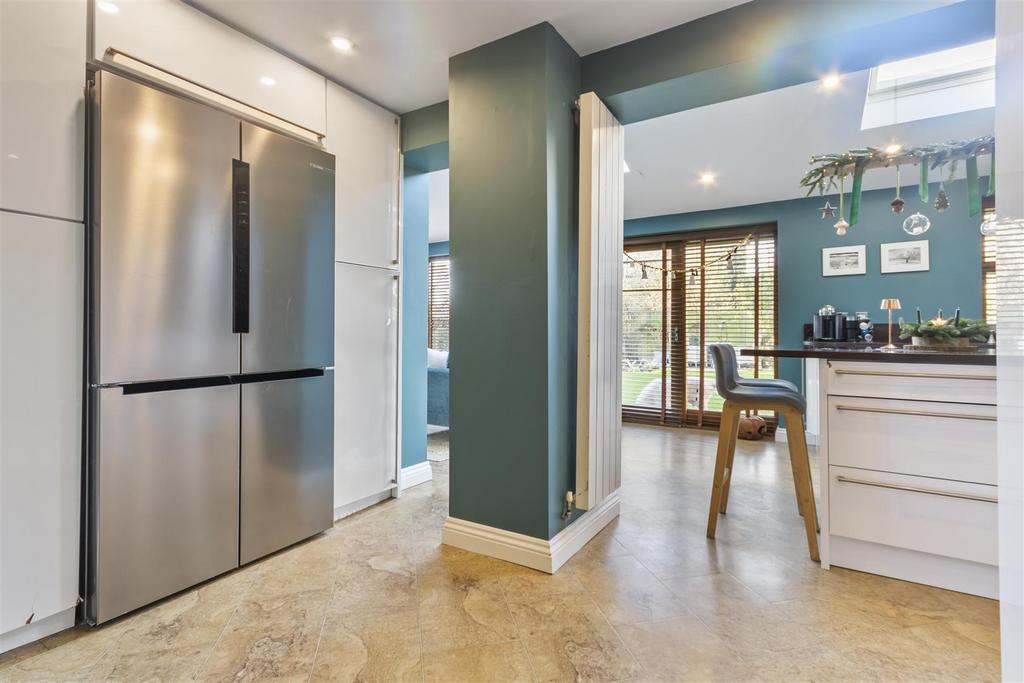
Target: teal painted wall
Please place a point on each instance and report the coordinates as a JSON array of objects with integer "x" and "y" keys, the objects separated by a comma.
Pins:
[
  {"x": 954, "y": 246},
  {"x": 416, "y": 197},
  {"x": 769, "y": 44},
  {"x": 511, "y": 155},
  {"x": 439, "y": 249},
  {"x": 425, "y": 138}
]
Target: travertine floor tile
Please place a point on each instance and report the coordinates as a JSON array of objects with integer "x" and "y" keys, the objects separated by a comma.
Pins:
[
  {"x": 504, "y": 663},
  {"x": 378, "y": 598}
]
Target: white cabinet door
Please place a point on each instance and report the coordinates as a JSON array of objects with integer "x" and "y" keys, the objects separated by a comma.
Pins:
[
  {"x": 364, "y": 138},
  {"x": 41, "y": 262},
  {"x": 365, "y": 382},
  {"x": 42, "y": 114},
  {"x": 183, "y": 40}
]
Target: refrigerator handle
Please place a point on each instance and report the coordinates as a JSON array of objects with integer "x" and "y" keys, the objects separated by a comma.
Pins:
[{"x": 239, "y": 246}]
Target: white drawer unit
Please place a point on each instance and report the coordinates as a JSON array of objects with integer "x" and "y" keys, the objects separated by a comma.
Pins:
[
  {"x": 936, "y": 516},
  {"x": 908, "y": 457},
  {"x": 913, "y": 381},
  {"x": 944, "y": 440}
]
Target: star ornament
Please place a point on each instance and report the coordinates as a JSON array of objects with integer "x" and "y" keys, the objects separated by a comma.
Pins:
[{"x": 827, "y": 211}]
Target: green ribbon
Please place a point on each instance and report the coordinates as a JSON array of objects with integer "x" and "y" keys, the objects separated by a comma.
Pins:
[
  {"x": 992, "y": 177},
  {"x": 858, "y": 177},
  {"x": 973, "y": 193},
  {"x": 922, "y": 188}
]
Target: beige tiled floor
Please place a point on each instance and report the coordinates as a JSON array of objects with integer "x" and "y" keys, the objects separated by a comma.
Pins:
[{"x": 377, "y": 598}]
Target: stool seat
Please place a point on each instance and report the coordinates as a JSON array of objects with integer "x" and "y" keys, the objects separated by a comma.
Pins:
[
  {"x": 730, "y": 359},
  {"x": 756, "y": 394}
]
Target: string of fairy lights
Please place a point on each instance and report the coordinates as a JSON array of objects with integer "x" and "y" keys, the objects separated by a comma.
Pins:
[{"x": 691, "y": 270}]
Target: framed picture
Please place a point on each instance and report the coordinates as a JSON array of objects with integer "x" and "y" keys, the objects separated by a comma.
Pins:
[
  {"x": 843, "y": 261},
  {"x": 904, "y": 257}
]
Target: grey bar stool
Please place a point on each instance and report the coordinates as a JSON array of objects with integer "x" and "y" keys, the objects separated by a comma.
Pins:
[{"x": 744, "y": 394}]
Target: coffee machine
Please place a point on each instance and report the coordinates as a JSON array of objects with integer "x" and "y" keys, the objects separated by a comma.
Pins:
[{"x": 829, "y": 325}]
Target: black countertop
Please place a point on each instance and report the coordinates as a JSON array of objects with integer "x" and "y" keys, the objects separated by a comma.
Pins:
[{"x": 981, "y": 355}]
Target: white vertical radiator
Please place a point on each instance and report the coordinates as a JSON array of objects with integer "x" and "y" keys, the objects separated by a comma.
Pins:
[{"x": 599, "y": 361}]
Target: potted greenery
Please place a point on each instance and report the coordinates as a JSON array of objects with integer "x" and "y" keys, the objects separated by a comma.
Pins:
[{"x": 939, "y": 331}]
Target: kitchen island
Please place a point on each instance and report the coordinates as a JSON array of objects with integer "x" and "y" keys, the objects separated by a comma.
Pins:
[{"x": 907, "y": 447}]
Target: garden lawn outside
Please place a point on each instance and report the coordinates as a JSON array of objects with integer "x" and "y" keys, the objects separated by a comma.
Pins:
[{"x": 634, "y": 382}]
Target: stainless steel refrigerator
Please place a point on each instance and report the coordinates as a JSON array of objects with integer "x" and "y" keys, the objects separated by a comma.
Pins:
[{"x": 210, "y": 286}]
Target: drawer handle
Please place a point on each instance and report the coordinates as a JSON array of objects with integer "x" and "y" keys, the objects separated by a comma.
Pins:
[
  {"x": 921, "y": 413},
  {"x": 915, "y": 489},
  {"x": 922, "y": 375}
]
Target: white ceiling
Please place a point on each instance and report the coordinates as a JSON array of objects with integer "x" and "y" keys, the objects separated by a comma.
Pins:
[
  {"x": 402, "y": 47},
  {"x": 758, "y": 147}
]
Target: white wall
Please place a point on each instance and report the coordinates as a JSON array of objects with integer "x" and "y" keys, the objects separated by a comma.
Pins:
[
  {"x": 437, "y": 230},
  {"x": 1010, "y": 285}
]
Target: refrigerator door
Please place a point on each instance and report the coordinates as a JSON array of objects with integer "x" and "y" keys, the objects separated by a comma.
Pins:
[
  {"x": 291, "y": 254},
  {"x": 162, "y": 231},
  {"x": 165, "y": 494},
  {"x": 366, "y": 395},
  {"x": 287, "y": 466}
]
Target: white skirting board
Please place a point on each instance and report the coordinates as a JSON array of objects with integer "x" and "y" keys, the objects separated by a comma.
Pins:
[
  {"x": 536, "y": 553},
  {"x": 37, "y": 630},
  {"x": 780, "y": 435},
  {"x": 414, "y": 475}
]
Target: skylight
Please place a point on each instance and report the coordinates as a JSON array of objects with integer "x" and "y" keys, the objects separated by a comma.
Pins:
[{"x": 937, "y": 84}]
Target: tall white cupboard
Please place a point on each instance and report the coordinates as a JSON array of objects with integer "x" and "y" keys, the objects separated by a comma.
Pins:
[{"x": 367, "y": 273}]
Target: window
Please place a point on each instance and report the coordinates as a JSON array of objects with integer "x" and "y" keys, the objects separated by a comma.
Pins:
[
  {"x": 988, "y": 267},
  {"x": 937, "y": 84},
  {"x": 438, "y": 302},
  {"x": 680, "y": 293}
]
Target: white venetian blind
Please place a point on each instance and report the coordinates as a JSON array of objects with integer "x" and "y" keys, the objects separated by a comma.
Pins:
[{"x": 438, "y": 302}]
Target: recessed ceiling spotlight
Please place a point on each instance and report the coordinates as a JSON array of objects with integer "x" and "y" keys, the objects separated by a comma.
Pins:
[
  {"x": 267, "y": 81},
  {"x": 831, "y": 81},
  {"x": 13, "y": 156},
  {"x": 625, "y": 166},
  {"x": 343, "y": 44},
  {"x": 707, "y": 178},
  {"x": 893, "y": 149},
  {"x": 108, "y": 7}
]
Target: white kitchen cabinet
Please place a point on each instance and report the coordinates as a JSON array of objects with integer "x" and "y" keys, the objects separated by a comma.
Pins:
[
  {"x": 181, "y": 39},
  {"x": 42, "y": 114},
  {"x": 41, "y": 280},
  {"x": 365, "y": 384},
  {"x": 365, "y": 140}
]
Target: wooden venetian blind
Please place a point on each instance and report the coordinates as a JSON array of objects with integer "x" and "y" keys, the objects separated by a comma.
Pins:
[
  {"x": 726, "y": 293},
  {"x": 438, "y": 302}
]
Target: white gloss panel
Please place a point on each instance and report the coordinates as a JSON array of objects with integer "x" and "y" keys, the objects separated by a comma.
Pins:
[
  {"x": 365, "y": 382},
  {"x": 40, "y": 416},
  {"x": 183, "y": 40},
  {"x": 365, "y": 140},
  {"x": 42, "y": 115}
]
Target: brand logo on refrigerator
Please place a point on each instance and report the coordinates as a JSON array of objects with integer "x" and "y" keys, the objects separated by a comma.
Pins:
[{"x": 321, "y": 168}]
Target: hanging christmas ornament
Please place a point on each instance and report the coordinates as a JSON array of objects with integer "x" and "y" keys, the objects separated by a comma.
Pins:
[
  {"x": 827, "y": 211},
  {"x": 990, "y": 225},
  {"x": 841, "y": 225},
  {"x": 693, "y": 277},
  {"x": 941, "y": 200},
  {"x": 897, "y": 204},
  {"x": 643, "y": 272},
  {"x": 917, "y": 224}
]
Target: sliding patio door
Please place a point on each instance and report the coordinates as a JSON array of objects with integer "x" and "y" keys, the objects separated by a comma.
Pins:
[{"x": 680, "y": 293}]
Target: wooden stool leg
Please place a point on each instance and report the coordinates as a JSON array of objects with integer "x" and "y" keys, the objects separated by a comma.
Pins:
[
  {"x": 802, "y": 468},
  {"x": 730, "y": 425},
  {"x": 727, "y": 482}
]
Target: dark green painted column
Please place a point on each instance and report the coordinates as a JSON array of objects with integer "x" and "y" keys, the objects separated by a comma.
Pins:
[{"x": 513, "y": 256}]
